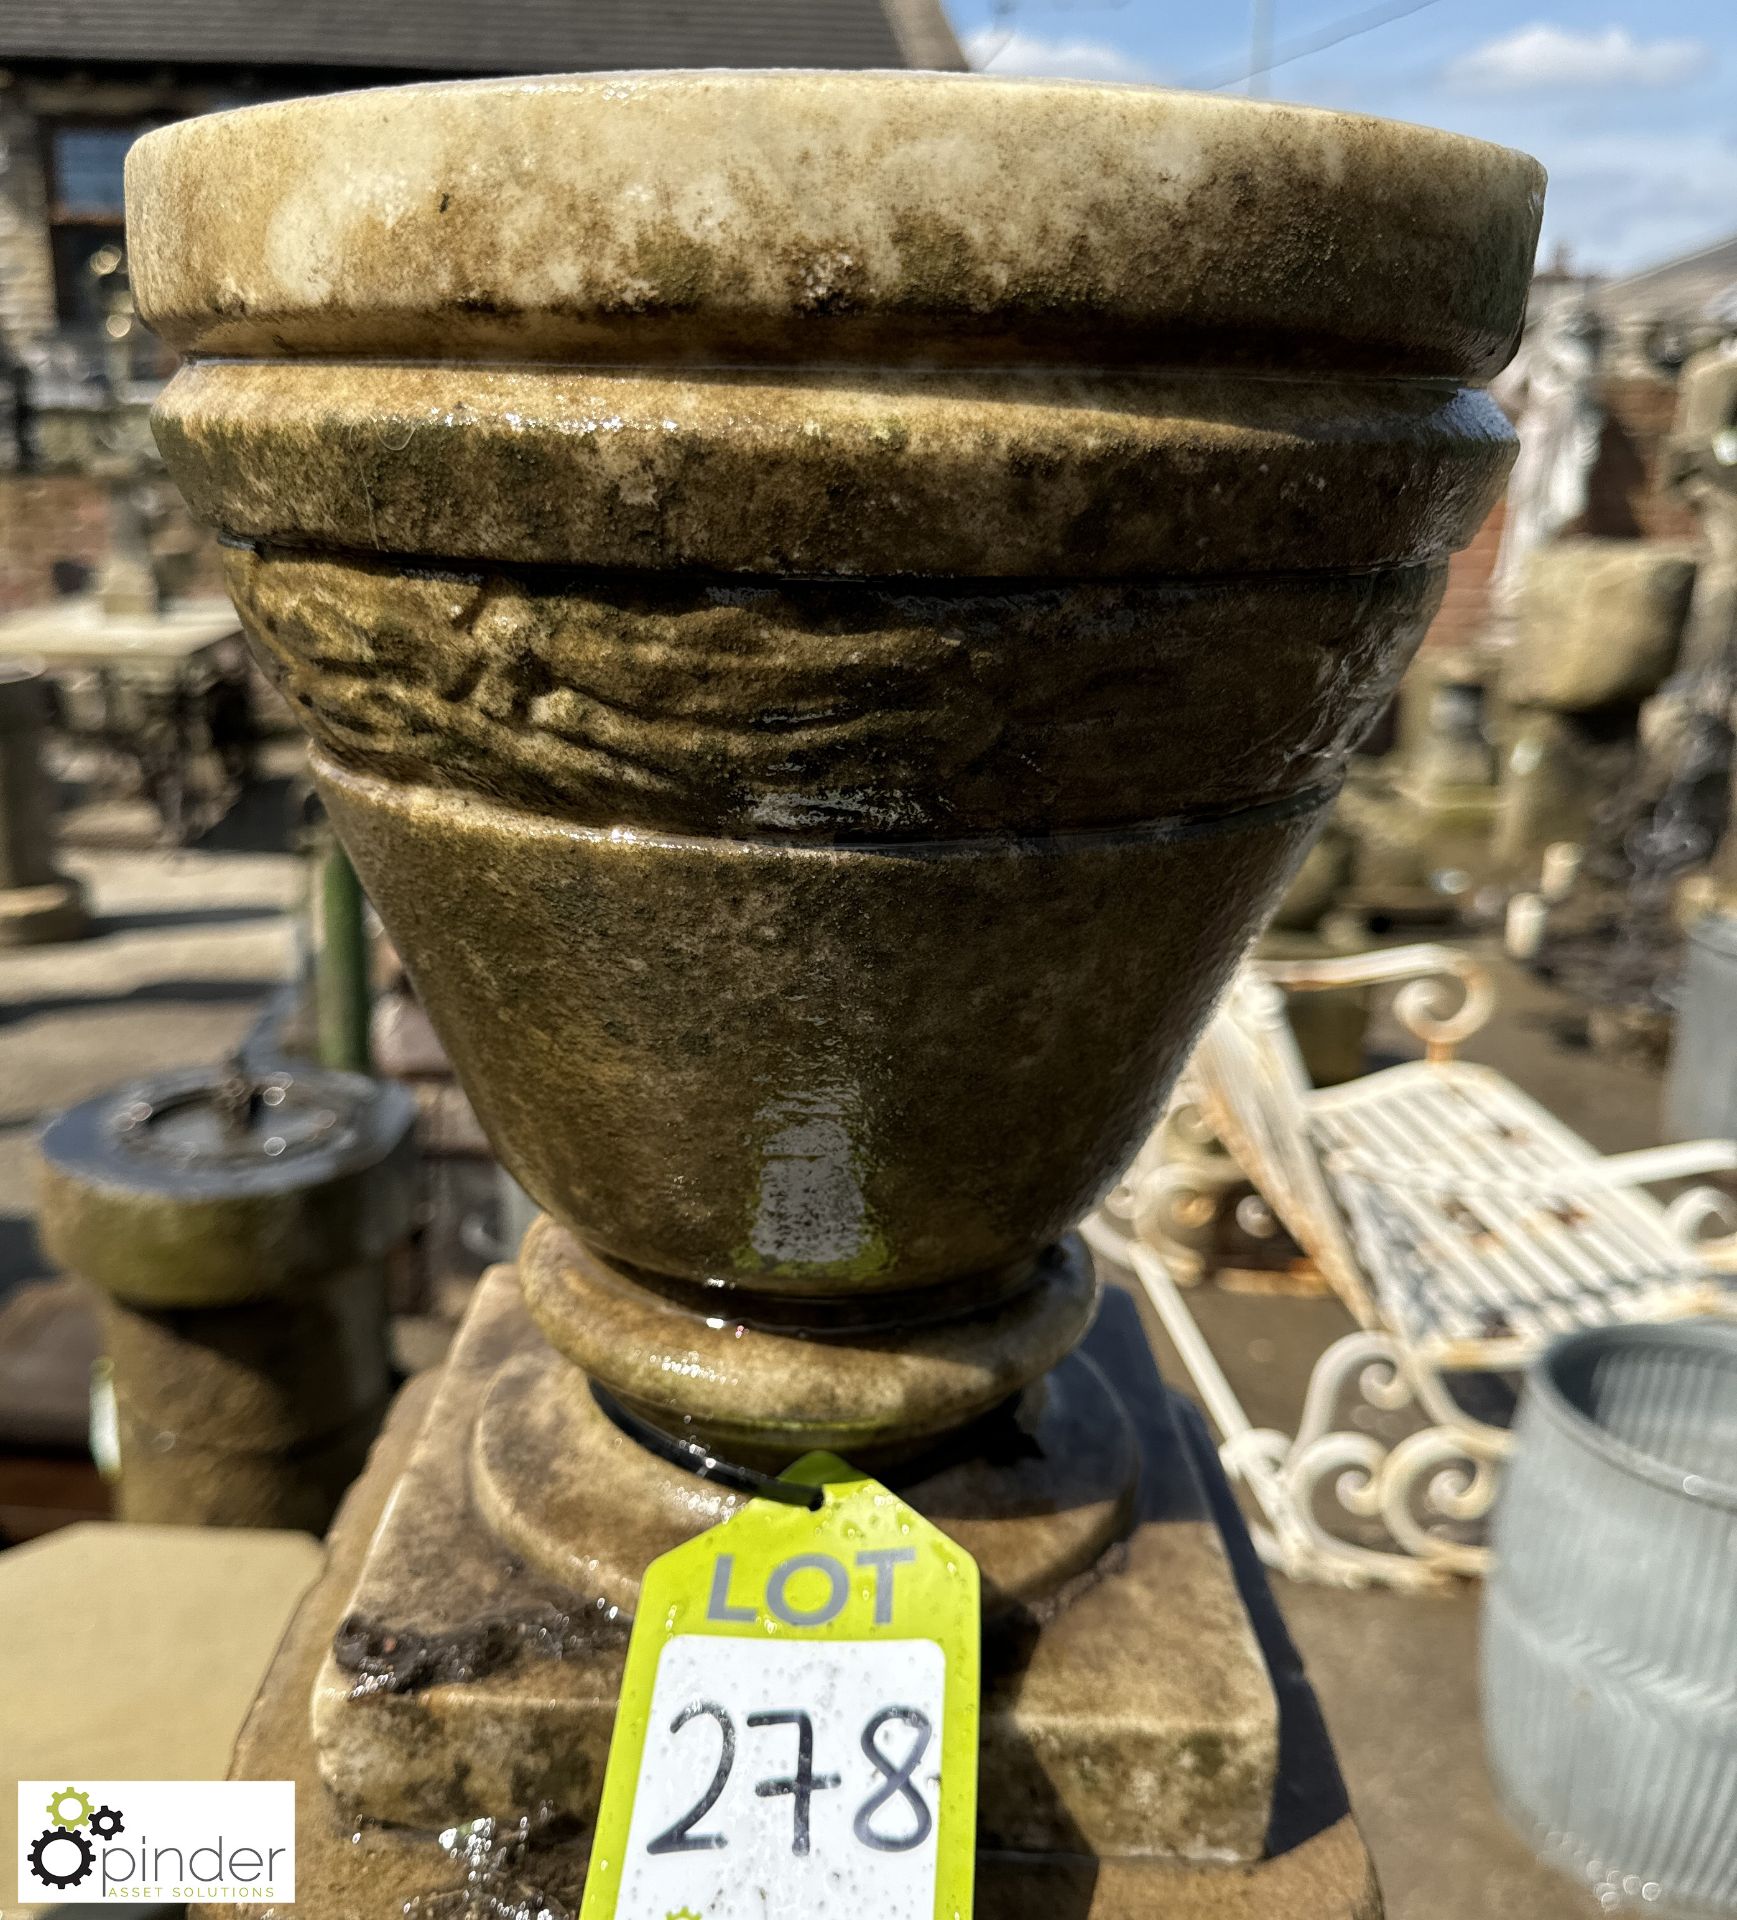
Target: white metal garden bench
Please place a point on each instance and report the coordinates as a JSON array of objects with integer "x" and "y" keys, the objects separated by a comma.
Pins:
[{"x": 1461, "y": 1224}]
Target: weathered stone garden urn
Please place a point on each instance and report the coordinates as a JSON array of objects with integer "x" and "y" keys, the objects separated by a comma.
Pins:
[{"x": 828, "y": 609}]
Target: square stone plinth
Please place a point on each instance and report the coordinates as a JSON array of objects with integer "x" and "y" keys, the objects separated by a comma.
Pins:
[
  {"x": 1132, "y": 1715},
  {"x": 1313, "y": 1865}
]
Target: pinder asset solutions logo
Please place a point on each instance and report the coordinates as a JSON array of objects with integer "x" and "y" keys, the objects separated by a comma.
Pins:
[{"x": 213, "y": 1841}]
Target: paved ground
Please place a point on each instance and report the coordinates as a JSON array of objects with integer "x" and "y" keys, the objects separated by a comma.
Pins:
[
  {"x": 1398, "y": 1675},
  {"x": 187, "y": 945}
]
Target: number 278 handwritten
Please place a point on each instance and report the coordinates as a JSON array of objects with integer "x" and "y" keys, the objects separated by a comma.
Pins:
[{"x": 805, "y": 1783}]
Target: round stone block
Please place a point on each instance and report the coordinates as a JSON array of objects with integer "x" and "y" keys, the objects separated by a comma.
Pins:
[
  {"x": 168, "y": 1480},
  {"x": 204, "y": 1187},
  {"x": 261, "y": 1376}
]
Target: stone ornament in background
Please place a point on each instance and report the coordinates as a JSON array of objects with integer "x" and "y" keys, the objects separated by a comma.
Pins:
[
  {"x": 1549, "y": 391},
  {"x": 1688, "y": 734},
  {"x": 1599, "y": 631},
  {"x": 1701, "y": 465},
  {"x": 1600, "y": 623},
  {"x": 829, "y": 609},
  {"x": 236, "y": 1227},
  {"x": 38, "y": 903}
]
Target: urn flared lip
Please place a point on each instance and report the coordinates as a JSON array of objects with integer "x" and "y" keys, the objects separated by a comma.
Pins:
[{"x": 789, "y": 217}]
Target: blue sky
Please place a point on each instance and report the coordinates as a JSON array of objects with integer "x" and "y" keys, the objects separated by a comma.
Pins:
[{"x": 1632, "y": 107}]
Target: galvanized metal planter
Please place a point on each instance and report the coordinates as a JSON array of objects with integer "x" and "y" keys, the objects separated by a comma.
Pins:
[
  {"x": 1701, "y": 1091},
  {"x": 1610, "y": 1622}
]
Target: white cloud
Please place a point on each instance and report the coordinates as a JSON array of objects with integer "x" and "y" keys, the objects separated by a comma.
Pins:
[
  {"x": 1627, "y": 201},
  {"x": 1543, "y": 57},
  {"x": 997, "y": 50}
]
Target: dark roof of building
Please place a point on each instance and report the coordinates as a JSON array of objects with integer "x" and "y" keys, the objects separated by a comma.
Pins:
[
  {"x": 1685, "y": 285},
  {"x": 481, "y": 36}
]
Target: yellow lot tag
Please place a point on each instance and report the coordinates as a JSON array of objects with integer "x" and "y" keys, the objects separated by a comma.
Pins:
[{"x": 797, "y": 1732}]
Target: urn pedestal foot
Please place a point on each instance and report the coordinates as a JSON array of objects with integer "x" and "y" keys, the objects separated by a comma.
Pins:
[
  {"x": 474, "y": 1678},
  {"x": 1049, "y": 1493},
  {"x": 1142, "y": 1729}
]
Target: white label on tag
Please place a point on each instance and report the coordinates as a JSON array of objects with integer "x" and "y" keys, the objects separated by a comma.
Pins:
[{"x": 788, "y": 1780}]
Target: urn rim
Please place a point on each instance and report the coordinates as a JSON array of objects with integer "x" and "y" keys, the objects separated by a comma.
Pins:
[{"x": 739, "y": 217}]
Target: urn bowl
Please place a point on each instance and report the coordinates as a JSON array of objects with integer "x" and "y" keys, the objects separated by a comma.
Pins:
[{"x": 828, "y": 607}]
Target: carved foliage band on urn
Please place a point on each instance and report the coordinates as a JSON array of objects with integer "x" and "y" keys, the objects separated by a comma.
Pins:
[{"x": 834, "y": 710}]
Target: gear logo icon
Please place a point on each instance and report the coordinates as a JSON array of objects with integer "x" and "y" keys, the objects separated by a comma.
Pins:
[
  {"x": 61, "y": 1838},
  {"x": 62, "y": 1856},
  {"x": 77, "y": 1799}
]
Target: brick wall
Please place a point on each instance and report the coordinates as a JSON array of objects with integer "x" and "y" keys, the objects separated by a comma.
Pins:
[
  {"x": 26, "y": 263},
  {"x": 1624, "y": 502},
  {"x": 1465, "y": 606},
  {"x": 50, "y": 517},
  {"x": 45, "y": 518}
]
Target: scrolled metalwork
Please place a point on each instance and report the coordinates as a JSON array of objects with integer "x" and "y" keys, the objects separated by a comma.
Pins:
[
  {"x": 1418, "y": 1007},
  {"x": 1707, "y": 1219},
  {"x": 1446, "y": 1471},
  {"x": 1423, "y": 1005},
  {"x": 1437, "y": 1472}
]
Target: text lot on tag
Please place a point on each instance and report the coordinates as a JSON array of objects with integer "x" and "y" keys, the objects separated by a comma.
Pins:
[{"x": 796, "y": 1735}]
